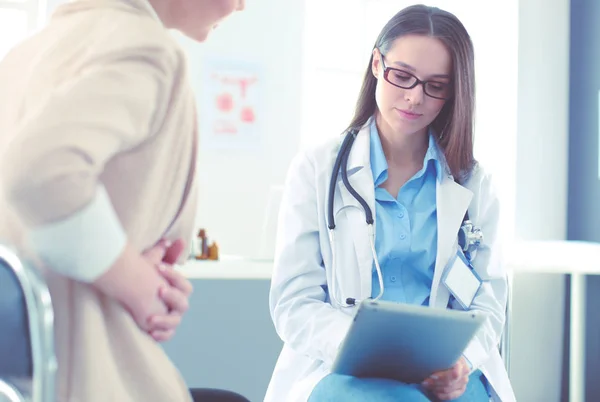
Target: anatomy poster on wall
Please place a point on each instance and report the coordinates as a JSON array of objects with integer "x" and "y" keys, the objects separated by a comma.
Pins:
[{"x": 230, "y": 104}]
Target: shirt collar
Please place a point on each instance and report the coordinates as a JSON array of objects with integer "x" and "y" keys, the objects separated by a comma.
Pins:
[{"x": 379, "y": 164}]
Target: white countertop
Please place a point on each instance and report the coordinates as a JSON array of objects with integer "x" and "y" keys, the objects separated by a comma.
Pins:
[
  {"x": 554, "y": 257},
  {"x": 228, "y": 267}
]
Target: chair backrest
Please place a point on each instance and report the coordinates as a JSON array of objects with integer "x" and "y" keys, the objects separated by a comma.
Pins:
[
  {"x": 9, "y": 393},
  {"x": 505, "y": 340},
  {"x": 27, "y": 333},
  {"x": 16, "y": 358}
]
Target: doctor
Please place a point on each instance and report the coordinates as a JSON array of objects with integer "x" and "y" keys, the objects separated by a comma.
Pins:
[{"x": 412, "y": 163}]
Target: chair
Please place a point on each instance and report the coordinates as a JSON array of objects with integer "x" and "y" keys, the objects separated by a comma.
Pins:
[
  {"x": 216, "y": 395},
  {"x": 9, "y": 393},
  {"x": 27, "y": 357},
  {"x": 505, "y": 340}
]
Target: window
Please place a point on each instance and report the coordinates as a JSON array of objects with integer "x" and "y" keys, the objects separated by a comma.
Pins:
[
  {"x": 17, "y": 19},
  {"x": 334, "y": 57},
  {"x": 339, "y": 36}
]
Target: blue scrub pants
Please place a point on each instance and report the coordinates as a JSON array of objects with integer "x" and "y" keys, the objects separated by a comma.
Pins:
[{"x": 342, "y": 388}]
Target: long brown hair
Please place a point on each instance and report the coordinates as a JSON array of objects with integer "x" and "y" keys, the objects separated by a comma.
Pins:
[{"x": 454, "y": 124}]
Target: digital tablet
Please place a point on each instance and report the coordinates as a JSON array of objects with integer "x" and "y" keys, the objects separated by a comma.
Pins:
[{"x": 404, "y": 342}]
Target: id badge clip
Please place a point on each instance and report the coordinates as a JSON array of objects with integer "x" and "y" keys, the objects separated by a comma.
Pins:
[{"x": 461, "y": 280}]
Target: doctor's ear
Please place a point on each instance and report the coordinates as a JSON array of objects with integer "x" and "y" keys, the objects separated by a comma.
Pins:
[{"x": 376, "y": 63}]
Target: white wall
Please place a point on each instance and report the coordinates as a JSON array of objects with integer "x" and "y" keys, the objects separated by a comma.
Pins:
[{"x": 234, "y": 184}]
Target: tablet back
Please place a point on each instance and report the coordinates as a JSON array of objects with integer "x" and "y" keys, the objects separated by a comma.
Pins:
[{"x": 404, "y": 342}]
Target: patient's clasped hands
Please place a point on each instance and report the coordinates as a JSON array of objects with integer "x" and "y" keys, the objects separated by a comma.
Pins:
[{"x": 174, "y": 293}]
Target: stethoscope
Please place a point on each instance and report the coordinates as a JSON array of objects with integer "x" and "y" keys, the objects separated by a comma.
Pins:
[{"x": 469, "y": 236}]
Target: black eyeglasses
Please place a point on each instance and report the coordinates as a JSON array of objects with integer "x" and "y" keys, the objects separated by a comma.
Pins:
[{"x": 405, "y": 80}]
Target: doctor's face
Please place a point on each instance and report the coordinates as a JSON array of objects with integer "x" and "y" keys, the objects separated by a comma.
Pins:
[
  {"x": 416, "y": 61},
  {"x": 196, "y": 18}
]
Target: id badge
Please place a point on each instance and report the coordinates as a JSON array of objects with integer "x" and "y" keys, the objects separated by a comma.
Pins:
[{"x": 461, "y": 280}]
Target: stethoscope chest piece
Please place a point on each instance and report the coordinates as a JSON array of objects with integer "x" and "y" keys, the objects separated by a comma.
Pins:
[{"x": 470, "y": 237}]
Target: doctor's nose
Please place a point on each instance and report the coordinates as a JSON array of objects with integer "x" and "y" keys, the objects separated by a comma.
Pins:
[{"x": 414, "y": 95}]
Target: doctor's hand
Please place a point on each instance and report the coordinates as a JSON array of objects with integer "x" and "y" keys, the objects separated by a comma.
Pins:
[
  {"x": 449, "y": 384},
  {"x": 175, "y": 296}
]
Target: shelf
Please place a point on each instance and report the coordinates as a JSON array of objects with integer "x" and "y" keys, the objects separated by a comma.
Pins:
[
  {"x": 558, "y": 257},
  {"x": 228, "y": 267},
  {"x": 554, "y": 257}
]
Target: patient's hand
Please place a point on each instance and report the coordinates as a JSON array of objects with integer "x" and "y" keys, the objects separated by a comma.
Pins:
[
  {"x": 175, "y": 296},
  {"x": 449, "y": 384}
]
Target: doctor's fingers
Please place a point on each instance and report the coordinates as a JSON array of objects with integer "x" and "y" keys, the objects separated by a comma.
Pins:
[
  {"x": 442, "y": 379},
  {"x": 446, "y": 381},
  {"x": 459, "y": 370},
  {"x": 451, "y": 395},
  {"x": 445, "y": 387}
]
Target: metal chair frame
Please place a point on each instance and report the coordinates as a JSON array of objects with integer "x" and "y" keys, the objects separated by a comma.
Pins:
[
  {"x": 40, "y": 318},
  {"x": 505, "y": 340}
]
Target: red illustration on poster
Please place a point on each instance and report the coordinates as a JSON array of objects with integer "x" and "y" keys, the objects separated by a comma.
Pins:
[{"x": 230, "y": 105}]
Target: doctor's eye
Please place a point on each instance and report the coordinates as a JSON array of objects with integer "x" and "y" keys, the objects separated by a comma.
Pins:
[
  {"x": 402, "y": 77},
  {"x": 437, "y": 87}
]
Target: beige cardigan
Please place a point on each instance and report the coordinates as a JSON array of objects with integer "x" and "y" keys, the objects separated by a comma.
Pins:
[{"x": 100, "y": 96}]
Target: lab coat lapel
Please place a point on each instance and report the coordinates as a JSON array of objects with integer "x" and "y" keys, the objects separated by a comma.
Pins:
[
  {"x": 361, "y": 179},
  {"x": 452, "y": 202}
]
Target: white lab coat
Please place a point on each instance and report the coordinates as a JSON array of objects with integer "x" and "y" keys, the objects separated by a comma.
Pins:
[{"x": 312, "y": 328}]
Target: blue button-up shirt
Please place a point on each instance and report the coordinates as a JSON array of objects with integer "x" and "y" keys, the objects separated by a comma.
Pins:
[{"x": 406, "y": 234}]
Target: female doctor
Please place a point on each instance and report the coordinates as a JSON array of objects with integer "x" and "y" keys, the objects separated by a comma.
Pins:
[{"x": 412, "y": 163}]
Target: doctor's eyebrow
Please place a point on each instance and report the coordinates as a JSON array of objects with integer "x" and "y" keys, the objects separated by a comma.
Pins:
[{"x": 411, "y": 68}]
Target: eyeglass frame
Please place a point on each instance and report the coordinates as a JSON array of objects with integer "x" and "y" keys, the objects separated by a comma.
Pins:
[{"x": 387, "y": 69}]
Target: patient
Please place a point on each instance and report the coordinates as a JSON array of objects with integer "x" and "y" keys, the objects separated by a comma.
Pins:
[{"x": 99, "y": 142}]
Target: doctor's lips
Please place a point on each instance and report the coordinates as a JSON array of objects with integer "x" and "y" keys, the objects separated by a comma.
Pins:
[{"x": 409, "y": 115}]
